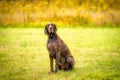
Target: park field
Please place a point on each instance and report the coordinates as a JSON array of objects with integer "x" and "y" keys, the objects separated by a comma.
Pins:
[{"x": 23, "y": 54}]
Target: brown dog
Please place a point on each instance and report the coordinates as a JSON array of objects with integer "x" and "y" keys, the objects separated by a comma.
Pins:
[{"x": 58, "y": 50}]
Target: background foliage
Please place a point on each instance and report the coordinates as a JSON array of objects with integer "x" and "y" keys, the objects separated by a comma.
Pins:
[{"x": 65, "y": 12}]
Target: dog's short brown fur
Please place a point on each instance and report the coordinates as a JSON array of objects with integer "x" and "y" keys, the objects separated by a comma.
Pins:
[{"x": 58, "y": 50}]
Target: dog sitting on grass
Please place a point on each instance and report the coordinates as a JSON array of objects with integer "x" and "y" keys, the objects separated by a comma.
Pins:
[{"x": 58, "y": 50}]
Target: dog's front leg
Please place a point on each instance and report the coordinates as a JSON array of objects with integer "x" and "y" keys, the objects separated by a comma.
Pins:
[
  {"x": 57, "y": 62},
  {"x": 51, "y": 64}
]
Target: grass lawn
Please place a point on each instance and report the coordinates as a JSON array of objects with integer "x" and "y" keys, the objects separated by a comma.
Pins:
[{"x": 23, "y": 54}]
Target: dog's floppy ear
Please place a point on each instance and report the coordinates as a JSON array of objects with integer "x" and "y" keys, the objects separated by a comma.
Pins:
[
  {"x": 45, "y": 30},
  {"x": 55, "y": 29}
]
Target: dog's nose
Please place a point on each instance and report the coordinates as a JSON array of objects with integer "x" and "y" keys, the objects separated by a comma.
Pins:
[{"x": 50, "y": 27}]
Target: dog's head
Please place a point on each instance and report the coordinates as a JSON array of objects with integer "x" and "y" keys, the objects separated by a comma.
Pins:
[{"x": 50, "y": 28}]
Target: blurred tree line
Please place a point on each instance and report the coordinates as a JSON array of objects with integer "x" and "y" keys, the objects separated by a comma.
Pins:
[{"x": 65, "y": 12}]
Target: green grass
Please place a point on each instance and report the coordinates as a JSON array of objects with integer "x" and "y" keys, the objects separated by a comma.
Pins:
[{"x": 23, "y": 54}]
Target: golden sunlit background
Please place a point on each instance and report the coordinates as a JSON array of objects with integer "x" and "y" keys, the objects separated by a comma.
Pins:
[{"x": 66, "y": 12}]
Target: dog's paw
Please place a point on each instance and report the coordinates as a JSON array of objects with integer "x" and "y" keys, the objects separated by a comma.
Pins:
[
  {"x": 50, "y": 72},
  {"x": 54, "y": 71}
]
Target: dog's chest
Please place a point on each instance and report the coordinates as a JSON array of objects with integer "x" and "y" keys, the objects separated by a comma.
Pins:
[{"x": 52, "y": 47}]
